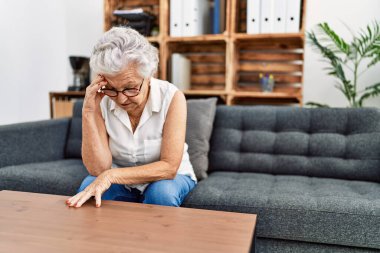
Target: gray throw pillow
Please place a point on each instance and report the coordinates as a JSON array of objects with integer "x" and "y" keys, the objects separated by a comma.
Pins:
[{"x": 200, "y": 120}]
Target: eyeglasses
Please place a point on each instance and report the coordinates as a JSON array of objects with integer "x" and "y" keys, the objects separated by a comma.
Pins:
[{"x": 129, "y": 92}]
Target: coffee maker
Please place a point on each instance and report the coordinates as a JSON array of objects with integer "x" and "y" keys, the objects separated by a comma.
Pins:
[{"x": 81, "y": 73}]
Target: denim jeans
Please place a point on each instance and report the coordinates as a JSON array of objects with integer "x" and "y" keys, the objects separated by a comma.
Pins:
[{"x": 163, "y": 192}]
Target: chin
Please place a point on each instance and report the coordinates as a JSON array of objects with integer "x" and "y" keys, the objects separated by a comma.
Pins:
[{"x": 126, "y": 104}]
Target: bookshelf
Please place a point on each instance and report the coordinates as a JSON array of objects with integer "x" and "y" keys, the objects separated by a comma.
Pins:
[{"x": 227, "y": 65}]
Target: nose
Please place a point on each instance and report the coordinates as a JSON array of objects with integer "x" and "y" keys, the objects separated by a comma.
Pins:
[{"x": 121, "y": 98}]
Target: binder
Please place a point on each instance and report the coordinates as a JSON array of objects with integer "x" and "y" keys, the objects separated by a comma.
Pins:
[
  {"x": 279, "y": 22},
  {"x": 180, "y": 71},
  {"x": 266, "y": 19},
  {"x": 216, "y": 17},
  {"x": 293, "y": 16},
  {"x": 253, "y": 16},
  {"x": 219, "y": 17},
  {"x": 176, "y": 18},
  {"x": 195, "y": 17},
  {"x": 222, "y": 15}
]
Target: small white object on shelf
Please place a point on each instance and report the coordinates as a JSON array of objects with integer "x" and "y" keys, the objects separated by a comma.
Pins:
[
  {"x": 131, "y": 11},
  {"x": 180, "y": 71}
]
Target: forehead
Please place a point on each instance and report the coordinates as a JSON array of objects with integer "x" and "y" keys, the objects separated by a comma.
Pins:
[{"x": 126, "y": 77}]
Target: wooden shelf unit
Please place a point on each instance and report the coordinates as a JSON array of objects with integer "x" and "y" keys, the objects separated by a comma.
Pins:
[
  {"x": 61, "y": 103},
  {"x": 228, "y": 64}
]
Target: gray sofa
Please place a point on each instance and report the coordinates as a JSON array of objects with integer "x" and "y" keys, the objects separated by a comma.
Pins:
[{"x": 311, "y": 175}]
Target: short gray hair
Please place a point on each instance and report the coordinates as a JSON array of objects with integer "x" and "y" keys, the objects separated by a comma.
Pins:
[{"x": 121, "y": 46}]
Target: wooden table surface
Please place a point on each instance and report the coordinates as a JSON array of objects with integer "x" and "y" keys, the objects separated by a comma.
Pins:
[{"x": 31, "y": 222}]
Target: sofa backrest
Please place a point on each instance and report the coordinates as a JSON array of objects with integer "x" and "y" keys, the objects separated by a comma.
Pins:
[
  {"x": 325, "y": 142},
  {"x": 200, "y": 117},
  {"x": 74, "y": 140}
]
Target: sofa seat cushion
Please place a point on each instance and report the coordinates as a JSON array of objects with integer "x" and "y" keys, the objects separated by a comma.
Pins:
[
  {"x": 321, "y": 210},
  {"x": 62, "y": 177}
]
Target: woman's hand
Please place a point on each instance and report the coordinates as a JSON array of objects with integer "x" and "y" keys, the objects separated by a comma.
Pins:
[
  {"x": 96, "y": 188},
  {"x": 93, "y": 97}
]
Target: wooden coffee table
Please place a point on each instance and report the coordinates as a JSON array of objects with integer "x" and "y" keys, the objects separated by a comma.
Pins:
[{"x": 31, "y": 222}]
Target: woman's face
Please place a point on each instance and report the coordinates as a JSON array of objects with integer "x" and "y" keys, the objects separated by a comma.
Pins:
[{"x": 128, "y": 79}]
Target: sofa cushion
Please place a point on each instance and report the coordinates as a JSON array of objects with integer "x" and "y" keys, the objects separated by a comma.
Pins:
[
  {"x": 200, "y": 119},
  {"x": 266, "y": 245},
  {"x": 320, "y": 210},
  {"x": 333, "y": 143},
  {"x": 61, "y": 177}
]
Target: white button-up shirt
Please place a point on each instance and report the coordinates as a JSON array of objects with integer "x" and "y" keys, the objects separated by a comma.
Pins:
[{"x": 130, "y": 149}]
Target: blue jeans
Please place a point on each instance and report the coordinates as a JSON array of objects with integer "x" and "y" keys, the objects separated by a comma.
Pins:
[{"x": 163, "y": 192}]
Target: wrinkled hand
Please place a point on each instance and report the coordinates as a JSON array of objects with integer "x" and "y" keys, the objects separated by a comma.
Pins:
[
  {"x": 93, "y": 97},
  {"x": 96, "y": 188}
]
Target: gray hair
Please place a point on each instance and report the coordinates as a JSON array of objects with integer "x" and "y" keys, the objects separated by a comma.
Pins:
[{"x": 121, "y": 46}]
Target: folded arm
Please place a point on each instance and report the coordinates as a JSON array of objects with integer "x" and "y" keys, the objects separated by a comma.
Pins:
[{"x": 173, "y": 139}]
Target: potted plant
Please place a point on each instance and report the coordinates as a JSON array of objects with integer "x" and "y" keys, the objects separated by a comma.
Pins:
[{"x": 346, "y": 60}]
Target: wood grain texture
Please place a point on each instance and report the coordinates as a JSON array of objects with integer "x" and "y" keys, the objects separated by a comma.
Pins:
[
  {"x": 31, "y": 222},
  {"x": 235, "y": 45}
]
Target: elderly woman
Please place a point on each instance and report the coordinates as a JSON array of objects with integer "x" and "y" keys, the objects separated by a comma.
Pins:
[{"x": 133, "y": 127}]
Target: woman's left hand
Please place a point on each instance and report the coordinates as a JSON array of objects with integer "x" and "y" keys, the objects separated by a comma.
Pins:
[{"x": 96, "y": 188}]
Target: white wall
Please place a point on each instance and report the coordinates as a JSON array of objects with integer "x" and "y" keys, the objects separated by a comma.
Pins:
[
  {"x": 37, "y": 36},
  {"x": 32, "y": 57},
  {"x": 84, "y": 26},
  {"x": 319, "y": 87}
]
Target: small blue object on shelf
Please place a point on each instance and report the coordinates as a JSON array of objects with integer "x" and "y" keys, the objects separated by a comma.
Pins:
[
  {"x": 216, "y": 25},
  {"x": 266, "y": 82}
]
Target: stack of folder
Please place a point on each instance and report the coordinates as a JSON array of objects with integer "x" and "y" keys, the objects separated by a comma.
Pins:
[
  {"x": 180, "y": 71},
  {"x": 273, "y": 16},
  {"x": 189, "y": 17}
]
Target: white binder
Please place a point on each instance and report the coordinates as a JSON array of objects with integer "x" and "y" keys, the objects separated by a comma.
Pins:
[
  {"x": 253, "y": 16},
  {"x": 196, "y": 15},
  {"x": 266, "y": 19},
  {"x": 279, "y": 22},
  {"x": 176, "y": 18},
  {"x": 180, "y": 71},
  {"x": 293, "y": 16}
]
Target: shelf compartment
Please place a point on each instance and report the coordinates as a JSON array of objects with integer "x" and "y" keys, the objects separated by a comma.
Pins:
[
  {"x": 149, "y": 6},
  {"x": 208, "y": 64},
  {"x": 240, "y": 15},
  {"x": 209, "y": 19},
  {"x": 280, "y": 57}
]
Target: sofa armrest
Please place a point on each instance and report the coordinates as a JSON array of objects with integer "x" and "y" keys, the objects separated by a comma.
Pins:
[{"x": 31, "y": 142}]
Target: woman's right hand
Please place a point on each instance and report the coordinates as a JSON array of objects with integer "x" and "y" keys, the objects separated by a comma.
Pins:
[{"x": 93, "y": 97}]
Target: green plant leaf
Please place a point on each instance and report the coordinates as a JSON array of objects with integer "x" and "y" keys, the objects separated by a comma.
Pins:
[
  {"x": 370, "y": 91},
  {"x": 375, "y": 54},
  {"x": 338, "y": 45},
  {"x": 342, "y": 57},
  {"x": 317, "y": 105},
  {"x": 336, "y": 68},
  {"x": 367, "y": 41}
]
